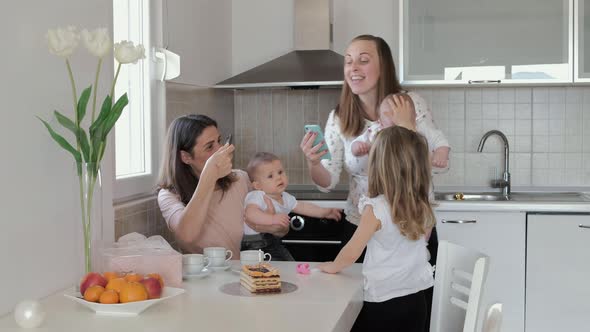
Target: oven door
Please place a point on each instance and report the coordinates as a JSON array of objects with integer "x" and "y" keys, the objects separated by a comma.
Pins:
[{"x": 313, "y": 239}]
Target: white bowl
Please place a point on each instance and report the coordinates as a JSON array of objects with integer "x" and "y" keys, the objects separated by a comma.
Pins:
[{"x": 123, "y": 309}]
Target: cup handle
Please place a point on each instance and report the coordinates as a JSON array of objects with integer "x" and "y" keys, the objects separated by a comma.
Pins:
[
  {"x": 208, "y": 262},
  {"x": 230, "y": 255},
  {"x": 269, "y": 257}
]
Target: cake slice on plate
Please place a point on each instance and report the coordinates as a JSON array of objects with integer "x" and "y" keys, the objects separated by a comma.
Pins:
[{"x": 260, "y": 278}]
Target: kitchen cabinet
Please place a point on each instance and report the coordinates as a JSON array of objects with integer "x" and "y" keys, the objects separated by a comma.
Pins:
[
  {"x": 557, "y": 272},
  {"x": 376, "y": 17},
  {"x": 501, "y": 236},
  {"x": 582, "y": 41},
  {"x": 200, "y": 31},
  {"x": 466, "y": 41}
]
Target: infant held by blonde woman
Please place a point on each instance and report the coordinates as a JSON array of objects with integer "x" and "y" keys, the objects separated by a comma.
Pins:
[{"x": 437, "y": 142}]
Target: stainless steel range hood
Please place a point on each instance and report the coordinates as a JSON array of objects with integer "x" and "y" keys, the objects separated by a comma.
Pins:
[{"x": 311, "y": 64}]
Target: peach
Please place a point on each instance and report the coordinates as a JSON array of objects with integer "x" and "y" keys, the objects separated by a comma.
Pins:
[
  {"x": 91, "y": 279},
  {"x": 153, "y": 287}
]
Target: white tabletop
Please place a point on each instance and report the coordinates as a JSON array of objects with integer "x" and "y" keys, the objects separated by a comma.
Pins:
[{"x": 323, "y": 302}]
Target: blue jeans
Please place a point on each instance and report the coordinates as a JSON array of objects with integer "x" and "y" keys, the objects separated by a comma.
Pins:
[{"x": 267, "y": 243}]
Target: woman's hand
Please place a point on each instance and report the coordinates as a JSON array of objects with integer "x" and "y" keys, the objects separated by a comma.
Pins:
[
  {"x": 312, "y": 155},
  {"x": 403, "y": 111},
  {"x": 220, "y": 163}
]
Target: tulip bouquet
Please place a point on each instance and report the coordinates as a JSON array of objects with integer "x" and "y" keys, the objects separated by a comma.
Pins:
[{"x": 90, "y": 144}]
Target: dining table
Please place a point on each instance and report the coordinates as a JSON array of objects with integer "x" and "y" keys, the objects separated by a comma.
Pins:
[{"x": 312, "y": 302}]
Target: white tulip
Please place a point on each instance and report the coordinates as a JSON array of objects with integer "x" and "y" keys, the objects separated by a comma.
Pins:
[
  {"x": 126, "y": 52},
  {"x": 63, "y": 41},
  {"x": 97, "y": 41}
]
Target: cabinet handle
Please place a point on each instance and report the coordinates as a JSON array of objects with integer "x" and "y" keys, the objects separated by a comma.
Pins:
[
  {"x": 584, "y": 226},
  {"x": 444, "y": 221},
  {"x": 311, "y": 241},
  {"x": 483, "y": 81}
]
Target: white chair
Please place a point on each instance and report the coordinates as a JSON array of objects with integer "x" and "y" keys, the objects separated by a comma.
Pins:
[
  {"x": 460, "y": 275},
  {"x": 493, "y": 320}
]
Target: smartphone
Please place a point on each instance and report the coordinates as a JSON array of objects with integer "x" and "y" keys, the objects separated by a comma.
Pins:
[
  {"x": 229, "y": 139},
  {"x": 318, "y": 139}
]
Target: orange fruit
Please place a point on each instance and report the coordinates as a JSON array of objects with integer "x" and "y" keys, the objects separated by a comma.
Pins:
[
  {"x": 132, "y": 292},
  {"x": 116, "y": 284},
  {"x": 109, "y": 296},
  {"x": 92, "y": 293},
  {"x": 111, "y": 275},
  {"x": 157, "y": 276},
  {"x": 133, "y": 277}
]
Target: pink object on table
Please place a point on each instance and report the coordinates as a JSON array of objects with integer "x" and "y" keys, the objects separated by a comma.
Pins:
[{"x": 303, "y": 268}]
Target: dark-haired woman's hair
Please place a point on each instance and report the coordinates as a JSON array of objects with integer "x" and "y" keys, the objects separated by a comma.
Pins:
[
  {"x": 175, "y": 175},
  {"x": 350, "y": 110}
]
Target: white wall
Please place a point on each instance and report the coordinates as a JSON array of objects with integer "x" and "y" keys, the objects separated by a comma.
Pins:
[
  {"x": 261, "y": 31},
  {"x": 40, "y": 212},
  {"x": 200, "y": 32}
]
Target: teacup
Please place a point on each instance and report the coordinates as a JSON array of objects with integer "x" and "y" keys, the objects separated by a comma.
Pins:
[
  {"x": 194, "y": 263},
  {"x": 218, "y": 256},
  {"x": 251, "y": 257}
]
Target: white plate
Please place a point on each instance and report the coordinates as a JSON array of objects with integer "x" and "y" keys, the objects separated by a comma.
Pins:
[
  {"x": 123, "y": 309},
  {"x": 220, "y": 268},
  {"x": 205, "y": 272}
]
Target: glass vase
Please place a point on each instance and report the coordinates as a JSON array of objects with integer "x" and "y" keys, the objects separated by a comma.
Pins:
[{"x": 90, "y": 202}]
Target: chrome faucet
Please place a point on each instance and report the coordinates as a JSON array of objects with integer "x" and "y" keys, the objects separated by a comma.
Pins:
[{"x": 504, "y": 182}]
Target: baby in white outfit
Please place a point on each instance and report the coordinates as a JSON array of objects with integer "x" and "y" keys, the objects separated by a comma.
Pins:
[{"x": 437, "y": 142}]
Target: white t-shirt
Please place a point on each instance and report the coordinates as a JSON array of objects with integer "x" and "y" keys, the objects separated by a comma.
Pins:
[
  {"x": 256, "y": 197},
  {"x": 394, "y": 265}
]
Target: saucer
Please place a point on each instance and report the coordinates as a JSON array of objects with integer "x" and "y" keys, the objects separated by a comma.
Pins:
[
  {"x": 220, "y": 268},
  {"x": 205, "y": 272}
]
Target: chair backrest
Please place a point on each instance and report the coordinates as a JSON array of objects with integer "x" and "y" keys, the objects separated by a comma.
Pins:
[
  {"x": 460, "y": 275},
  {"x": 493, "y": 320}
]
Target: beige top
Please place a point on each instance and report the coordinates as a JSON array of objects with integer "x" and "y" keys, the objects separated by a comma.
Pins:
[{"x": 225, "y": 216}]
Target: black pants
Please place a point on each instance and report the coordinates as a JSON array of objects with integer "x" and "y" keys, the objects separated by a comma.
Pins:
[
  {"x": 403, "y": 314},
  {"x": 267, "y": 243}
]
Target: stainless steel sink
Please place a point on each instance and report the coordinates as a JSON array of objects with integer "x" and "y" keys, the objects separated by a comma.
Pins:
[{"x": 514, "y": 196}]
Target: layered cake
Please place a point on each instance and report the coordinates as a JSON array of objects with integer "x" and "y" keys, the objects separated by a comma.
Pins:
[{"x": 260, "y": 278}]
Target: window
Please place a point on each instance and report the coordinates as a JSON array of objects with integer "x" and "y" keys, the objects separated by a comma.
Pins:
[{"x": 136, "y": 133}]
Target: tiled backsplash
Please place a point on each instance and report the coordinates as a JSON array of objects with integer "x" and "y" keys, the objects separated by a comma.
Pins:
[{"x": 548, "y": 130}]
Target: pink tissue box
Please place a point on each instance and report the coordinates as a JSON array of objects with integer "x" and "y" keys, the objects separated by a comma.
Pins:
[{"x": 165, "y": 261}]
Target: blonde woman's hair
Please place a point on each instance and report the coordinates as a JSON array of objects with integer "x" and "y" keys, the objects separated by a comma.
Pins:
[
  {"x": 399, "y": 169},
  {"x": 350, "y": 110}
]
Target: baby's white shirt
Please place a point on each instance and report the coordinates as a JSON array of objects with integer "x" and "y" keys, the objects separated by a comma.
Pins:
[{"x": 256, "y": 197}]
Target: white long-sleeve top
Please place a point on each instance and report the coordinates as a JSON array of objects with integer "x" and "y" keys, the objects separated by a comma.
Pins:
[{"x": 342, "y": 157}]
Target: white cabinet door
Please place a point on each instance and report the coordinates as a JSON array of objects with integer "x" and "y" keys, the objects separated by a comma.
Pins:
[
  {"x": 582, "y": 41},
  {"x": 558, "y": 273},
  {"x": 501, "y": 236},
  {"x": 463, "y": 41}
]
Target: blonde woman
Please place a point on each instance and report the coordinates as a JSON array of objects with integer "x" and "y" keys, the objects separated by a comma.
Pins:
[{"x": 396, "y": 221}]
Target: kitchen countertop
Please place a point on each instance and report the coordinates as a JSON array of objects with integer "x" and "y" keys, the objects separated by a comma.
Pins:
[
  {"x": 323, "y": 302},
  {"x": 556, "y": 206}
]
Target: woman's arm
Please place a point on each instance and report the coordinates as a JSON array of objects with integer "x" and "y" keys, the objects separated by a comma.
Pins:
[
  {"x": 325, "y": 173},
  {"x": 194, "y": 215},
  {"x": 354, "y": 248},
  {"x": 278, "y": 230}
]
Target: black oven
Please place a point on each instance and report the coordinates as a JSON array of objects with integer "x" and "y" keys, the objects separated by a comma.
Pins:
[{"x": 314, "y": 240}]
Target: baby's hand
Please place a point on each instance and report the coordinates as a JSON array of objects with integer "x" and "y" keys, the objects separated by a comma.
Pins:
[
  {"x": 440, "y": 157},
  {"x": 334, "y": 214},
  {"x": 360, "y": 148},
  {"x": 281, "y": 219}
]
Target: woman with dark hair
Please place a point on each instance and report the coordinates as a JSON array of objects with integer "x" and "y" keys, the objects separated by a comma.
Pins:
[{"x": 201, "y": 197}]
